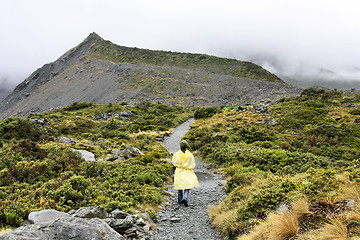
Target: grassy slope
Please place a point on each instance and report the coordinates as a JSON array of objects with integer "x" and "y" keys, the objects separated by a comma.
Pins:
[
  {"x": 310, "y": 156},
  {"x": 106, "y": 50}
]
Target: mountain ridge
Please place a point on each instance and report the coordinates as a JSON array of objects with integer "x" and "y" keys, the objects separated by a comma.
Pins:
[{"x": 99, "y": 71}]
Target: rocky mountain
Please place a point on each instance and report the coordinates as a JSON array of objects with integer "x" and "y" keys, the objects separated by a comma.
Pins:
[{"x": 99, "y": 71}]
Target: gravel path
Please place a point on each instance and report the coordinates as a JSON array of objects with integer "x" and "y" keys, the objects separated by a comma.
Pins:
[{"x": 175, "y": 221}]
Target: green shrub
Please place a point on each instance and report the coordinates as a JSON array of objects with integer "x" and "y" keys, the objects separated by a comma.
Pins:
[
  {"x": 206, "y": 112},
  {"x": 248, "y": 134},
  {"x": 19, "y": 128},
  {"x": 312, "y": 92}
]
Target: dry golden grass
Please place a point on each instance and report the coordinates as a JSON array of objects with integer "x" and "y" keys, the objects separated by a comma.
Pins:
[
  {"x": 219, "y": 215},
  {"x": 337, "y": 229},
  {"x": 260, "y": 232},
  {"x": 301, "y": 206},
  {"x": 224, "y": 219},
  {"x": 353, "y": 218},
  {"x": 284, "y": 225},
  {"x": 352, "y": 191},
  {"x": 280, "y": 226}
]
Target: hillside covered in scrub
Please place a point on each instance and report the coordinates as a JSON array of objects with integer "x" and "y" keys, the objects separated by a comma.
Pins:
[
  {"x": 38, "y": 170},
  {"x": 292, "y": 167},
  {"x": 101, "y": 72}
]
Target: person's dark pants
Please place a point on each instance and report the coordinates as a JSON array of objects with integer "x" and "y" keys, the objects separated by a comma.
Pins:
[{"x": 183, "y": 195}]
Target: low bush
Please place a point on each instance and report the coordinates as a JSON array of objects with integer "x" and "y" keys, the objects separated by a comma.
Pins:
[{"x": 206, "y": 112}]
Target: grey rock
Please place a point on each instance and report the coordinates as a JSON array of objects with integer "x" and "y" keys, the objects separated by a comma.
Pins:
[
  {"x": 283, "y": 207},
  {"x": 129, "y": 152},
  {"x": 66, "y": 140},
  {"x": 88, "y": 156},
  {"x": 175, "y": 220},
  {"x": 147, "y": 227},
  {"x": 140, "y": 222},
  {"x": 65, "y": 228},
  {"x": 91, "y": 212},
  {"x": 120, "y": 225},
  {"x": 127, "y": 114},
  {"x": 117, "y": 214},
  {"x": 46, "y": 216},
  {"x": 147, "y": 218}
]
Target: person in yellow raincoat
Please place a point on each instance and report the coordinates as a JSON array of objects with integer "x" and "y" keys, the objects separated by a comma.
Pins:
[{"x": 184, "y": 178}]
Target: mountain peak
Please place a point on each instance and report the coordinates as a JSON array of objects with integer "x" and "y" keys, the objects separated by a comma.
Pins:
[{"x": 93, "y": 36}]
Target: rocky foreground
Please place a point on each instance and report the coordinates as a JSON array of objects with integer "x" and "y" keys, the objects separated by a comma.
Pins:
[{"x": 90, "y": 223}]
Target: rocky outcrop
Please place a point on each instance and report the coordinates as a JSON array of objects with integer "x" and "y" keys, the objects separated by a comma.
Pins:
[
  {"x": 125, "y": 154},
  {"x": 42, "y": 123},
  {"x": 90, "y": 223},
  {"x": 105, "y": 116}
]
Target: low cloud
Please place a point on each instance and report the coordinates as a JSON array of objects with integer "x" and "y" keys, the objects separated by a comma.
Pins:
[{"x": 300, "y": 39}]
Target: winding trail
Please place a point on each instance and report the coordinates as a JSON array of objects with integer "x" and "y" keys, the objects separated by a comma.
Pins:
[{"x": 178, "y": 222}]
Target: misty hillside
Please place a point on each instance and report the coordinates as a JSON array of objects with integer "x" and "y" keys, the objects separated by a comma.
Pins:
[
  {"x": 99, "y": 71},
  {"x": 4, "y": 93}
]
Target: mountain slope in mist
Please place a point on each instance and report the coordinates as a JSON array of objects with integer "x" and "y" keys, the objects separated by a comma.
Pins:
[
  {"x": 101, "y": 72},
  {"x": 4, "y": 93}
]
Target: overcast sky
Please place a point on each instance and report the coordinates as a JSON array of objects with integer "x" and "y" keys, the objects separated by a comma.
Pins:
[{"x": 291, "y": 37}]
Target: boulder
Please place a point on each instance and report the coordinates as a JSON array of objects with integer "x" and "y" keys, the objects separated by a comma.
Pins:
[
  {"x": 88, "y": 156},
  {"x": 65, "y": 228},
  {"x": 46, "y": 216},
  {"x": 91, "y": 212},
  {"x": 120, "y": 225},
  {"x": 127, "y": 114},
  {"x": 117, "y": 214}
]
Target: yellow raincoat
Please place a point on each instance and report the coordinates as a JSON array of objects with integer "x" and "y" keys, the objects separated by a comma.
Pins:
[{"x": 185, "y": 177}]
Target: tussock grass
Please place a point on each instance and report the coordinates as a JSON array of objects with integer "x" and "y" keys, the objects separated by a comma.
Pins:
[
  {"x": 337, "y": 229},
  {"x": 284, "y": 225},
  {"x": 301, "y": 206},
  {"x": 278, "y": 226},
  {"x": 224, "y": 219}
]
